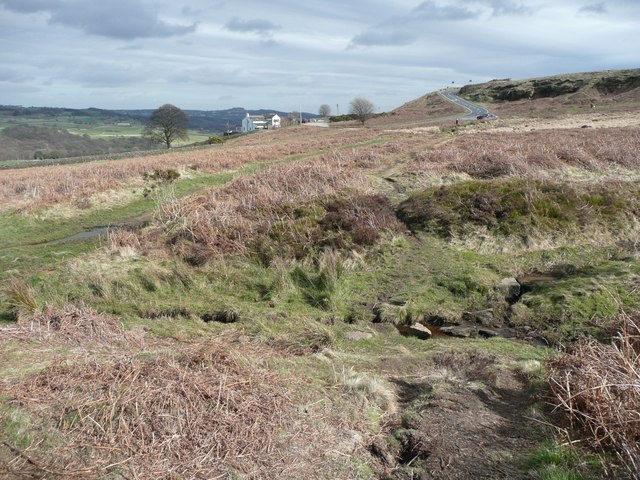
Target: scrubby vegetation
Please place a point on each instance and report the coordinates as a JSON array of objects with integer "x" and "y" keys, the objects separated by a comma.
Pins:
[
  {"x": 597, "y": 386},
  {"x": 525, "y": 209},
  {"x": 327, "y": 303}
]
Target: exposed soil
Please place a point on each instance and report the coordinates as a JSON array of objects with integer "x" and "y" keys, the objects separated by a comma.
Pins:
[{"x": 463, "y": 425}]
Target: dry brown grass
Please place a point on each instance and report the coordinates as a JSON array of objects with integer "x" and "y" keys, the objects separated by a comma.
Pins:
[
  {"x": 78, "y": 324},
  {"x": 573, "y": 103},
  {"x": 226, "y": 220},
  {"x": 35, "y": 187},
  {"x": 200, "y": 414},
  {"x": 428, "y": 107},
  {"x": 488, "y": 156},
  {"x": 598, "y": 388},
  {"x": 200, "y": 408}
]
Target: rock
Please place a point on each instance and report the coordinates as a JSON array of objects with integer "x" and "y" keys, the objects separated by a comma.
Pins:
[
  {"x": 388, "y": 313},
  {"x": 437, "y": 320},
  {"x": 357, "y": 336},
  {"x": 510, "y": 288},
  {"x": 482, "y": 317},
  {"x": 229, "y": 315},
  {"x": 487, "y": 333},
  {"x": 460, "y": 332},
  {"x": 420, "y": 331}
]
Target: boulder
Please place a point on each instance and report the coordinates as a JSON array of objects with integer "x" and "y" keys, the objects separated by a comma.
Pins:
[
  {"x": 487, "y": 333},
  {"x": 357, "y": 336},
  {"x": 459, "y": 332},
  {"x": 420, "y": 331},
  {"x": 510, "y": 288},
  {"x": 481, "y": 317}
]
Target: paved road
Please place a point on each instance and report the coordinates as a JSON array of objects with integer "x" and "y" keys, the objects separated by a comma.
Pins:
[{"x": 475, "y": 112}]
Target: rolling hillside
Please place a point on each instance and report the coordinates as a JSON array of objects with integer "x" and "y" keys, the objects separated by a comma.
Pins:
[
  {"x": 608, "y": 90},
  {"x": 409, "y": 299}
]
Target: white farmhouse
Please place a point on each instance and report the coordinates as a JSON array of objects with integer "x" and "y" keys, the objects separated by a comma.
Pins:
[
  {"x": 251, "y": 123},
  {"x": 274, "y": 120}
]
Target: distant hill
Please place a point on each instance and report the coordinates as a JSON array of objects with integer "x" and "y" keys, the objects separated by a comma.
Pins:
[
  {"x": 47, "y": 132},
  {"x": 25, "y": 142},
  {"x": 207, "y": 121},
  {"x": 608, "y": 82},
  {"x": 212, "y": 121},
  {"x": 604, "y": 91}
]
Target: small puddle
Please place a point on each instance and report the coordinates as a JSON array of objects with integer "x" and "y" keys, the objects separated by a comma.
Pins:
[{"x": 84, "y": 235}]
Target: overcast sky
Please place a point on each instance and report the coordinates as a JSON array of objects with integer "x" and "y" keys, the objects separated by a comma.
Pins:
[{"x": 291, "y": 54}]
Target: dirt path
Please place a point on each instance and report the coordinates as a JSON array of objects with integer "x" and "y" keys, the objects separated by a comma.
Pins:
[{"x": 466, "y": 420}]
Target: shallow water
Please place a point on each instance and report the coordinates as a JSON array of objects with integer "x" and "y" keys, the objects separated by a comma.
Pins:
[{"x": 84, "y": 235}]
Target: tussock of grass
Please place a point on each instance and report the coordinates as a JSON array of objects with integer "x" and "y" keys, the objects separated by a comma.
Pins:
[
  {"x": 309, "y": 338},
  {"x": 370, "y": 387},
  {"x": 22, "y": 299}
]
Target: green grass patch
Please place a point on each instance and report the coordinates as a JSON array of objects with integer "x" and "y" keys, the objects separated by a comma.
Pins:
[
  {"x": 563, "y": 462},
  {"x": 520, "y": 208},
  {"x": 581, "y": 300}
]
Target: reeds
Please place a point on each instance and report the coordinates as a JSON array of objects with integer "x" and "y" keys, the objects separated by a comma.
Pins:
[{"x": 597, "y": 386}]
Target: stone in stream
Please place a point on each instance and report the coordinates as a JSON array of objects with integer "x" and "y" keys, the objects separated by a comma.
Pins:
[
  {"x": 510, "y": 288},
  {"x": 415, "y": 330},
  {"x": 481, "y": 317},
  {"x": 460, "y": 332},
  {"x": 488, "y": 333},
  {"x": 420, "y": 331}
]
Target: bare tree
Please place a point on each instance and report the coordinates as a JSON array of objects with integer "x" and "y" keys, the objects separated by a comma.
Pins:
[
  {"x": 166, "y": 125},
  {"x": 324, "y": 110},
  {"x": 361, "y": 108}
]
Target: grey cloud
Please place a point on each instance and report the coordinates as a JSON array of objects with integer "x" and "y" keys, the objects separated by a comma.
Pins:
[
  {"x": 255, "y": 26},
  {"x": 108, "y": 74},
  {"x": 594, "y": 8},
  {"x": 507, "y": 7},
  {"x": 29, "y": 6},
  {"x": 11, "y": 75},
  {"x": 430, "y": 11},
  {"x": 232, "y": 77},
  {"x": 124, "y": 19},
  {"x": 379, "y": 37},
  {"x": 405, "y": 30}
]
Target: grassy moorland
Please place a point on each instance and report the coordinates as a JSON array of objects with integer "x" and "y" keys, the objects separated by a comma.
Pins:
[{"x": 262, "y": 309}]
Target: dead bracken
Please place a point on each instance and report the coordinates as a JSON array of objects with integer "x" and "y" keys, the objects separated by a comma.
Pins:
[{"x": 199, "y": 414}]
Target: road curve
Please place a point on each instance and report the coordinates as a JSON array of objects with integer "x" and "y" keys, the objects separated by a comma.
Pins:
[{"x": 475, "y": 112}]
